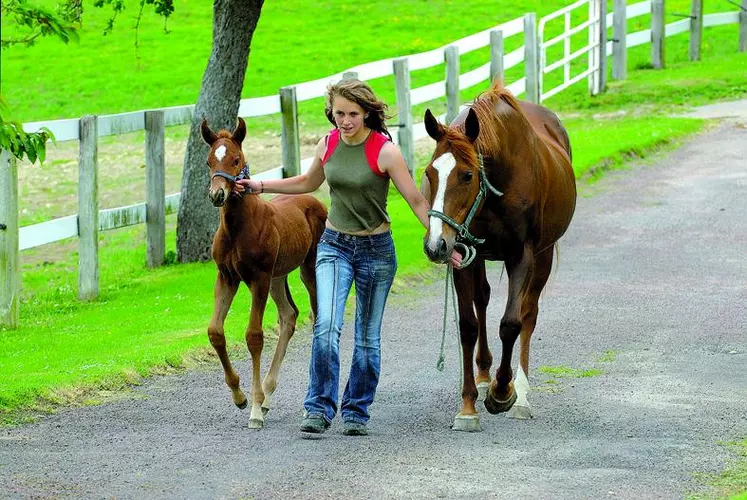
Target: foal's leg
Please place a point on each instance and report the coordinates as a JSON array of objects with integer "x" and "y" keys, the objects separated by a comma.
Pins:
[
  {"x": 529, "y": 310},
  {"x": 255, "y": 341},
  {"x": 484, "y": 358},
  {"x": 308, "y": 277},
  {"x": 464, "y": 282},
  {"x": 287, "y": 315},
  {"x": 225, "y": 291},
  {"x": 501, "y": 395}
]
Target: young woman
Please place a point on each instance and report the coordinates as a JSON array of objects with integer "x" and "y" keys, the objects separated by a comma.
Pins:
[{"x": 358, "y": 160}]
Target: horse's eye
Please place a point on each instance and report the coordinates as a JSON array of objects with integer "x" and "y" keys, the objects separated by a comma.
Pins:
[
  {"x": 236, "y": 162},
  {"x": 467, "y": 177},
  {"x": 207, "y": 163}
]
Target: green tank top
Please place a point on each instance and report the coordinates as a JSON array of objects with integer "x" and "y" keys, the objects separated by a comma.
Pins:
[{"x": 357, "y": 188}]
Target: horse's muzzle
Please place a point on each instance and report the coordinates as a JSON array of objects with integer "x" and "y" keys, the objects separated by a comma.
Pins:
[
  {"x": 218, "y": 197},
  {"x": 440, "y": 253}
]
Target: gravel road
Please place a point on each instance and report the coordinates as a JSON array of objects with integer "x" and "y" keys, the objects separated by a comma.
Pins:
[{"x": 650, "y": 291}]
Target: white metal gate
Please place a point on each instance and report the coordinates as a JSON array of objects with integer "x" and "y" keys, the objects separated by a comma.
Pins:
[{"x": 593, "y": 25}]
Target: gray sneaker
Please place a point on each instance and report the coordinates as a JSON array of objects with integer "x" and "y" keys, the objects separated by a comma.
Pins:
[
  {"x": 352, "y": 428},
  {"x": 314, "y": 424}
]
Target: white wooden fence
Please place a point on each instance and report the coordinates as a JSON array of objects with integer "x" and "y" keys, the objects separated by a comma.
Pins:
[{"x": 90, "y": 220}]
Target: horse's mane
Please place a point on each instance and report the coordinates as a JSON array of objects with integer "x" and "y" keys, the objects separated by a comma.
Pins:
[
  {"x": 223, "y": 134},
  {"x": 489, "y": 138}
]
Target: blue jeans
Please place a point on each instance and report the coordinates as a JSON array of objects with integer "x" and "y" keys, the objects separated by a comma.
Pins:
[{"x": 342, "y": 259}]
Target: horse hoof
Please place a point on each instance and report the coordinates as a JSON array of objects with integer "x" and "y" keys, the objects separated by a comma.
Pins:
[
  {"x": 466, "y": 423},
  {"x": 482, "y": 390},
  {"x": 256, "y": 424},
  {"x": 520, "y": 412},
  {"x": 494, "y": 406},
  {"x": 242, "y": 405}
]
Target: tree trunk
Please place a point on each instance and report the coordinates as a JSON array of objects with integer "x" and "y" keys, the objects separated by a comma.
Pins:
[{"x": 234, "y": 22}]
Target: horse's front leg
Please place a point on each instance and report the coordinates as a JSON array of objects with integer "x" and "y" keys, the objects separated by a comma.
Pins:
[
  {"x": 255, "y": 341},
  {"x": 501, "y": 395},
  {"x": 225, "y": 291},
  {"x": 467, "y": 419}
]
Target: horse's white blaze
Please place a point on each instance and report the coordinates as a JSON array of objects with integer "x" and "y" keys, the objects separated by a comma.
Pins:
[
  {"x": 444, "y": 164},
  {"x": 220, "y": 152}
]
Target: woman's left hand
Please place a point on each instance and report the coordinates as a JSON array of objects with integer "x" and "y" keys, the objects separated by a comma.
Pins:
[{"x": 456, "y": 259}]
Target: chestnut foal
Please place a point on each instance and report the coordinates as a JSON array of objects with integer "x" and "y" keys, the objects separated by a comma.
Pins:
[{"x": 259, "y": 243}]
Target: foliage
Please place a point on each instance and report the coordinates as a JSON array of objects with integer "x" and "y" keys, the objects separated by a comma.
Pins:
[
  {"x": 32, "y": 145},
  {"x": 33, "y": 22},
  {"x": 36, "y": 21}
]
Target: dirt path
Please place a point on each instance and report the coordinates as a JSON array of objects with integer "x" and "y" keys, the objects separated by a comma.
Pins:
[{"x": 650, "y": 291}]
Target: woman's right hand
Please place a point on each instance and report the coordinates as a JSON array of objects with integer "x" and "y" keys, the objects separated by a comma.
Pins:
[{"x": 247, "y": 186}]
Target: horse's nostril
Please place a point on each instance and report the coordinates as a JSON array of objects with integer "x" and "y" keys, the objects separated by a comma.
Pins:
[{"x": 442, "y": 246}]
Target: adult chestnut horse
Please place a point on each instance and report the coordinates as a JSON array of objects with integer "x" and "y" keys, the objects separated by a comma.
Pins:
[
  {"x": 501, "y": 187},
  {"x": 258, "y": 243}
]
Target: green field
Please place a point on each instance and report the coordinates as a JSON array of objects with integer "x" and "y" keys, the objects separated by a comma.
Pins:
[{"x": 151, "y": 321}]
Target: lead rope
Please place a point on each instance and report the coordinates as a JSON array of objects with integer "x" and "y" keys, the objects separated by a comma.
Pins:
[{"x": 442, "y": 355}]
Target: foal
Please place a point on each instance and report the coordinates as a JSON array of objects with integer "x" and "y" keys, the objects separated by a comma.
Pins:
[{"x": 258, "y": 243}]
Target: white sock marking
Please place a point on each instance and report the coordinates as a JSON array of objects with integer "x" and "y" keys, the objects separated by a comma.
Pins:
[
  {"x": 521, "y": 385},
  {"x": 444, "y": 164}
]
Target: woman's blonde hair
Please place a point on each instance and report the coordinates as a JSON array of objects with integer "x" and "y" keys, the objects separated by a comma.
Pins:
[{"x": 360, "y": 93}]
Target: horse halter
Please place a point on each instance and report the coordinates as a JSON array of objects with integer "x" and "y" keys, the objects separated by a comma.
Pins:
[
  {"x": 465, "y": 239},
  {"x": 244, "y": 174}
]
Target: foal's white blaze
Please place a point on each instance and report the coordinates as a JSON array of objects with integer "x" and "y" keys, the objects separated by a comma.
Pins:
[
  {"x": 220, "y": 152},
  {"x": 444, "y": 164}
]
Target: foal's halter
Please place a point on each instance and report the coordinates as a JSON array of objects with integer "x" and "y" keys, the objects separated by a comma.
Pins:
[
  {"x": 244, "y": 174},
  {"x": 465, "y": 239}
]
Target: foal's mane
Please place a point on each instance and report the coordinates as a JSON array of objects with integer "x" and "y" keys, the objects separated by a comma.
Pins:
[{"x": 491, "y": 123}]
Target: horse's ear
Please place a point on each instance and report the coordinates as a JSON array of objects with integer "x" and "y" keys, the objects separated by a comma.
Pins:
[
  {"x": 472, "y": 125},
  {"x": 207, "y": 134},
  {"x": 240, "y": 132},
  {"x": 434, "y": 129}
]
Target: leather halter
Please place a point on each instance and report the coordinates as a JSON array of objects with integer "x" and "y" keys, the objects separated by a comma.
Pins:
[{"x": 465, "y": 239}]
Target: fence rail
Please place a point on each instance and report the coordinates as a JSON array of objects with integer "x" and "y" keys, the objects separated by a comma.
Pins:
[{"x": 91, "y": 220}]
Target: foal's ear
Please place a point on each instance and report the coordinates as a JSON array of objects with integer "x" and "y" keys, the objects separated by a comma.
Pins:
[
  {"x": 240, "y": 132},
  {"x": 434, "y": 129},
  {"x": 207, "y": 134},
  {"x": 472, "y": 126}
]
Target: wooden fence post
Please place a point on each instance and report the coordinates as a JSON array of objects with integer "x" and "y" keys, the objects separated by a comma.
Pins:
[
  {"x": 404, "y": 112},
  {"x": 289, "y": 140},
  {"x": 743, "y": 27},
  {"x": 88, "y": 210},
  {"x": 531, "y": 58},
  {"x": 155, "y": 189},
  {"x": 658, "y": 34},
  {"x": 349, "y": 75},
  {"x": 696, "y": 29},
  {"x": 451, "y": 56},
  {"x": 620, "y": 42},
  {"x": 10, "y": 266},
  {"x": 497, "y": 51},
  {"x": 602, "y": 73}
]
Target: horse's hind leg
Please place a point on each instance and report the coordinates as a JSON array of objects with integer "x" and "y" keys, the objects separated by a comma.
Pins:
[
  {"x": 484, "y": 358},
  {"x": 225, "y": 291},
  {"x": 287, "y": 315},
  {"x": 529, "y": 310}
]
